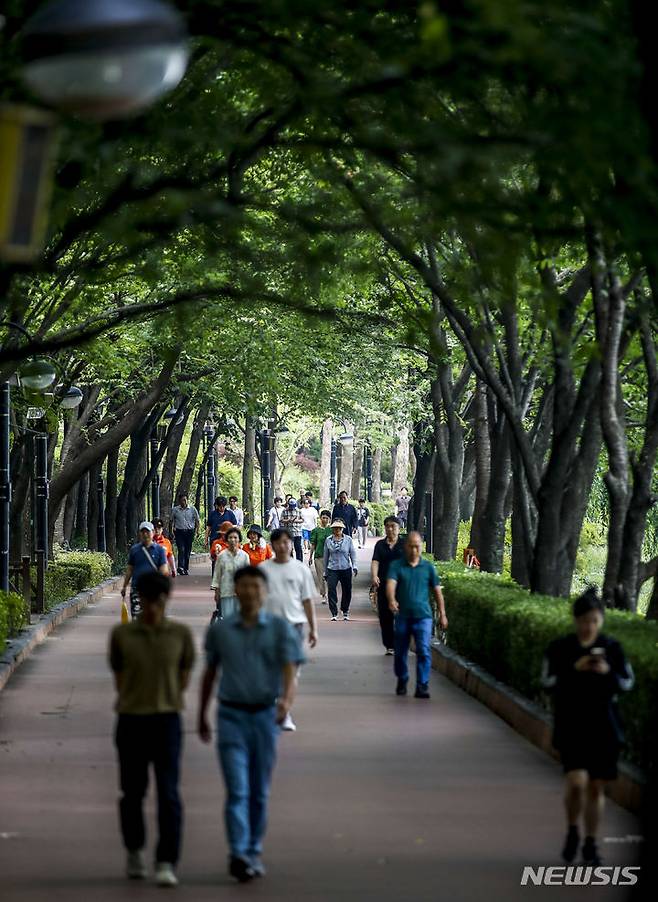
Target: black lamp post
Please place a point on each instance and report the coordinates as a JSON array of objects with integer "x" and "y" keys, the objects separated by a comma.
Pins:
[
  {"x": 100, "y": 526},
  {"x": 266, "y": 443},
  {"x": 36, "y": 375},
  {"x": 367, "y": 471},
  {"x": 5, "y": 485},
  {"x": 332, "y": 472}
]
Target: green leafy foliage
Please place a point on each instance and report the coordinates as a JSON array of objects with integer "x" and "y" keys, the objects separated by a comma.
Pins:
[{"x": 14, "y": 615}]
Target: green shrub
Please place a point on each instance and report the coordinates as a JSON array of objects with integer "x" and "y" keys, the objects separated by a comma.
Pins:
[
  {"x": 378, "y": 513},
  {"x": 504, "y": 628},
  {"x": 95, "y": 565},
  {"x": 60, "y": 584},
  {"x": 15, "y": 613}
]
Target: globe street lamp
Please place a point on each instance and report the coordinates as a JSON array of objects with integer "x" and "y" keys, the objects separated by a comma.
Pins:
[
  {"x": 72, "y": 398},
  {"x": 104, "y": 59},
  {"x": 37, "y": 375}
]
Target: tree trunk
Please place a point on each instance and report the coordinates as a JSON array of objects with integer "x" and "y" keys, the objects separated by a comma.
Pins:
[
  {"x": 377, "y": 475},
  {"x": 467, "y": 488},
  {"x": 248, "y": 469},
  {"x": 424, "y": 454},
  {"x": 189, "y": 467},
  {"x": 482, "y": 441},
  {"x": 168, "y": 476},
  {"x": 492, "y": 522},
  {"x": 400, "y": 478},
  {"x": 70, "y": 508},
  {"x": 82, "y": 509},
  {"x": 21, "y": 470},
  {"x": 357, "y": 472},
  {"x": 325, "y": 464},
  {"x": 126, "y": 513},
  {"x": 78, "y": 463},
  {"x": 92, "y": 507},
  {"x": 346, "y": 464},
  {"x": 111, "y": 497}
]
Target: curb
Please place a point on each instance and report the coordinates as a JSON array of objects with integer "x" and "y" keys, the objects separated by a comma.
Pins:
[
  {"x": 533, "y": 722},
  {"x": 22, "y": 646}
]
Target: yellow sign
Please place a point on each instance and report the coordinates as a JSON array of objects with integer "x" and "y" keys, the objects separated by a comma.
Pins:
[{"x": 26, "y": 161}]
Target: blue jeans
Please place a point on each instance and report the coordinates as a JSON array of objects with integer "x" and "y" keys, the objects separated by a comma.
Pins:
[
  {"x": 421, "y": 629},
  {"x": 246, "y": 743}
]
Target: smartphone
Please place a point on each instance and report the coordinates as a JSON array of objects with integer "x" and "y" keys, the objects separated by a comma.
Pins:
[{"x": 597, "y": 652}]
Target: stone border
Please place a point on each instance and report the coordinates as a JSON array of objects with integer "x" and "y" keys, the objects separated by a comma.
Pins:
[
  {"x": 20, "y": 647},
  {"x": 529, "y": 719}
]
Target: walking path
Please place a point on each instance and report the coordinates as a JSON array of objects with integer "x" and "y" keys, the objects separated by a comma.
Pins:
[{"x": 374, "y": 797}]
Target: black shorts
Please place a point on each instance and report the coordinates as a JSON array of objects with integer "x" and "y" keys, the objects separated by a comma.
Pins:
[{"x": 600, "y": 762}]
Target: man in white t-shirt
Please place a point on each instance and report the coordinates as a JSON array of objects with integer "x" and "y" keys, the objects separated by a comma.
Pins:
[
  {"x": 238, "y": 513},
  {"x": 310, "y": 518},
  {"x": 290, "y": 591},
  {"x": 274, "y": 515}
]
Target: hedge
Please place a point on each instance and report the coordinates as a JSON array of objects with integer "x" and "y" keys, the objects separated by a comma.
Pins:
[
  {"x": 72, "y": 572},
  {"x": 14, "y": 615},
  {"x": 501, "y": 626}
]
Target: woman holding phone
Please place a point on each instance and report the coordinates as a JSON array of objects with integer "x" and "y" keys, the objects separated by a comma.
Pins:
[{"x": 584, "y": 671}]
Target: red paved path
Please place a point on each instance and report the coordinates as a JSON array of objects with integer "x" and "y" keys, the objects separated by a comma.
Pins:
[{"x": 374, "y": 798}]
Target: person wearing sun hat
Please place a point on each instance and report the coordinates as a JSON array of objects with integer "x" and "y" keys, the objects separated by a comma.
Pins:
[
  {"x": 339, "y": 567},
  {"x": 145, "y": 556},
  {"x": 256, "y": 546}
]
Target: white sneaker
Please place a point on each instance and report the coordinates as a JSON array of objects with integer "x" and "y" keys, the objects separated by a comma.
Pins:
[
  {"x": 389, "y": 651},
  {"x": 288, "y": 724},
  {"x": 346, "y": 616},
  {"x": 334, "y": 617},
  {"x": 136, "y": 866},
  {"x": 164, "y": 874}
]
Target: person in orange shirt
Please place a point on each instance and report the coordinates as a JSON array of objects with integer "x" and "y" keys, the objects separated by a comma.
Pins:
[
  {"x": 256, "y": 546},
  {"x": 160, "y": 538},
  {"x": 219, "y": 544}
]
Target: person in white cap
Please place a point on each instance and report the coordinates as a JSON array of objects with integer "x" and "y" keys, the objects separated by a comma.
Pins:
[{"x": 145, "y": 556}]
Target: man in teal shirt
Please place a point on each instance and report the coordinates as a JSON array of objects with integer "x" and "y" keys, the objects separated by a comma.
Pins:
[{"x": 410, "y": 582}]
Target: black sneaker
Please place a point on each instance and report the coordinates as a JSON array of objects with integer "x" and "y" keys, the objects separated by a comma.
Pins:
[
  {"x": 241, "y": 869},
  {"x": 571, "y": 844},
  {"x": 401, "y": 688},
  {"x": 422, "y": 691},
  {"x": 591, "y": 852}
]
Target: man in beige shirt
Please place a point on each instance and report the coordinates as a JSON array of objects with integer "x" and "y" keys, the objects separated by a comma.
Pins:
[{"x": 151, "y": 658}]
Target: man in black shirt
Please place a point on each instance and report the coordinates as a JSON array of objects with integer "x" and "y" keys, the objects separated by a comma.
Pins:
[
  {"x": 386, "y": 551},
  {"x": 346, "y": 512},
  {"x": 584, "y": 671}
]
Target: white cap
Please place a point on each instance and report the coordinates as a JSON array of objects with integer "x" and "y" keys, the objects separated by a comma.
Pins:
[{"x": 146, "y": 524}]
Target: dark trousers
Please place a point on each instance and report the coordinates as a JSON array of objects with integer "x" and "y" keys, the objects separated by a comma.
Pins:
[
  {"x": 184, "y": 539},
  {"x": 142, "y": 739},
  {"x": 344, "y": 577},
  {"x": 299, "y": 551},
  {"x": 385, "y": 620}
]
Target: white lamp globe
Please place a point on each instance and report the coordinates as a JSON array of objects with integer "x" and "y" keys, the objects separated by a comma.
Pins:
[
  {"x": 37, "y": 375},
  {"x": 72, "y": 398},
  {"x": 104, "y": 59}
]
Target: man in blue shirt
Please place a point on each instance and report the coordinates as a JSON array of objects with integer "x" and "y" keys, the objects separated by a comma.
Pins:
[
  {"x": 146, "y": 556},
  {"x": 410, "y": 583},
  {"x": 258, "y": 654},
  {"x": 221, "y": 514}
]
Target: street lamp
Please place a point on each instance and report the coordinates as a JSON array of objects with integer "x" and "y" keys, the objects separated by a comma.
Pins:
[
  {"x": 72, "y": 398},
  {"x": 37, "y": 375},
  {"x": 104, "y": 59}
]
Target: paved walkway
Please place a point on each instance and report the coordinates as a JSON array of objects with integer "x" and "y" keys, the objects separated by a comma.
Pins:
[{"x": 374, "y": 798}]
